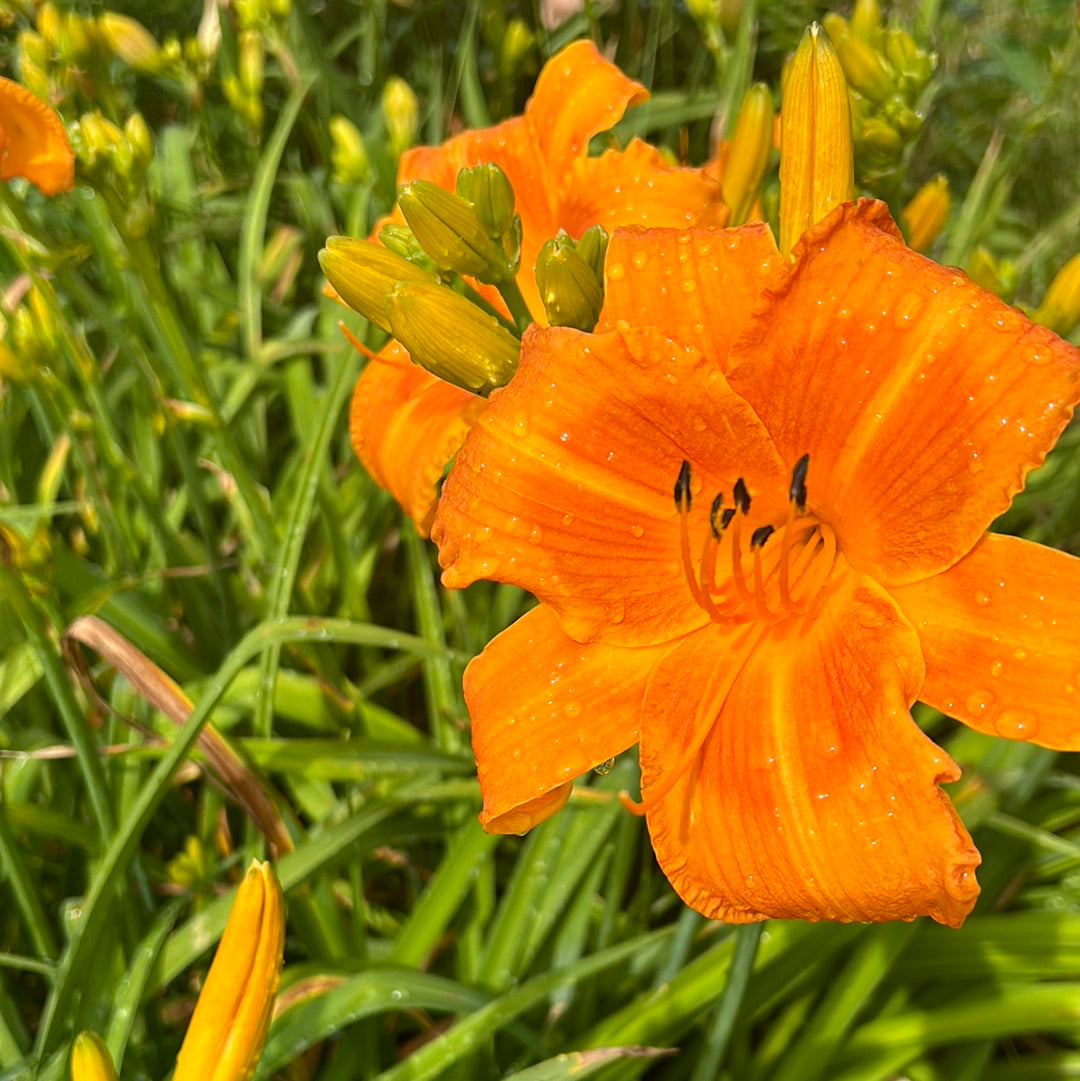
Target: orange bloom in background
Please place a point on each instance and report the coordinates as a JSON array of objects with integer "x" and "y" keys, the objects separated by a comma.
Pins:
[
  {"x": 757, "y": 534},
  {"x": 33, "y": 142},
  {"x": 406, "y": 424}
]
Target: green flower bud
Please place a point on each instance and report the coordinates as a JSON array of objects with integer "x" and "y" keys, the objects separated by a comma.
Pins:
[
  {"x": 569, "y": 287},
  {"x": 348, "y": 154},
  {"x": 365, "y": 274},
  {"x": 402, "y": 113},
  {"x": 592, "y": 247},
  {"x": 451, "y": 337},
  {"x": 449, "y": 229}
]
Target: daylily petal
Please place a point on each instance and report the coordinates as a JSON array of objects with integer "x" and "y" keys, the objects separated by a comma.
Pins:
[
  {"x": 406, "y": 425},
  {"x": 1001, "y": 636},
  {"x": 815, "y": 796},
  {"x": 578, "y": 95},
  {"x": 922, "y": 400},
  {"x": 708, "y": 280},
  {"x": 33, "y": 141},
  {"x": 544, "y": 710},
  {"x": 636, "y": 186},
  {"x": 564, "y": 486}
]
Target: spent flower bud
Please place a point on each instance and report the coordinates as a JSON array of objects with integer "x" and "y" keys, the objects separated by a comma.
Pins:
[{"x": 451, "y": 337}]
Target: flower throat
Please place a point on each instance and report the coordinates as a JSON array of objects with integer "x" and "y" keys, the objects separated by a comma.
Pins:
[{"x": 768, "y": 574}]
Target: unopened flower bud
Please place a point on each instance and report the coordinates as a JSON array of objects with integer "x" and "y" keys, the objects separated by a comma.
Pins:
[
  {"x": 228, "y": 1028},
  {"x": 251, "y": 57},
  {"x": 924, "y": 217},
  {"x": 449, "y": 229},
  {"x": 90, "y": 1059},
  {"x": 748, "y": 153},
  {"x": 569, "y": 288},
  {"x": 517, "y": 41},
  {"x": 997, "y": 277},
  {"x": 50, "y": 25},
  {"x": 592, "y": 247},
  {"x": 348, "y": 155},
  {"x": 100, "y": 138},
  {"x": 492, "y": 197},
  {"x": 1060, "y": 309},
  {"x": 129, "y": 40},
  {"x": 400, "y": 240},
  {"x": 817, "y": 170},
  {"x": 364, "y": 274},
  {"x": 866, "y": 21},
  {"x": 451, "y": 337},
  {"x": 866, "y": 71},
  {"x": 402, "y": 113},
  {"x": 140, "y": 140}
]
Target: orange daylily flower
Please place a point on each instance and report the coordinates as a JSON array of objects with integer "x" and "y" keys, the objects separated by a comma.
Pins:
[
  {"x": 544, "y": 153},
  {"x": 757, "y": 534},
  {"x": 33, "y": 142}
]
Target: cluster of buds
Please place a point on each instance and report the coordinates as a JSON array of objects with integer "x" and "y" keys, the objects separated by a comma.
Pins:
[
  {"x": 115, "y": 160},
  {"x": 570, "y": 276},
  {"x": 418, "y": 285},
  {"x": 27, "y": 332},
  {"x": 69, "y": 54},
  {"x": 887, "y": 73}
]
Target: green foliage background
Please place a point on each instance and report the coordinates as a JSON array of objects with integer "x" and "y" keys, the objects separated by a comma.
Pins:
[{"x": 174, "y": 461}]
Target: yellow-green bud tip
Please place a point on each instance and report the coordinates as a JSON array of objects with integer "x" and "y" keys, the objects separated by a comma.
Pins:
[
  {"x": 748, "y": 153},
  {"x": 1060, "y": 309},
  {"x": 924, "y": 217},
  {"x": 90, "y": 1059},
  {"x": 570, "y": 287}
]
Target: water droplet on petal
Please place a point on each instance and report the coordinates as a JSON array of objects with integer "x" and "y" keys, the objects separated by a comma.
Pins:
[
  {"x": 536, "y": 535},
  {"x": 639, "y": 259},
  {"x": 979, "y": 701},
  {"x": 996, "y": 668},
  {"x": 1021, "y": 654},
  {"x": 638, "y": 530},
  {"x": 982, "y": 599},
  {"x": 567, "y": 519},
  {"x": 572, "y": 709},
  {"x": 1016, "y": 723},
  {"x": 617, "y": 612},
  {"x": 616, "y": 272}
]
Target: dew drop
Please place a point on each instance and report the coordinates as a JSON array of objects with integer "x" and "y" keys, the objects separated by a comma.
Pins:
[
  {"x": 605, "y": 767},
  {"x": 617, "y": 612},
  {"x": 1016, "y": 723},
  {"x": 979, "y": 701},
  {"x": 639, "y": 259},
  {"x": 982, "y": 599},
  {"x": 536, "y": 535},
  {"x": 1021, "y": 654},
  {"x": 616, "y": 272},
  {"x": 1040, "y": 356},
  {"x": 567, "y": 519},
  {"x": 572, "y": 709},
  {"x": 638, "y": 531},
  {"x": 996, "y": 668}
]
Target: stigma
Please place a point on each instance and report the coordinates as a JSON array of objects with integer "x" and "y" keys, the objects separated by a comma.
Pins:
[{"x": 769, "y": 571}]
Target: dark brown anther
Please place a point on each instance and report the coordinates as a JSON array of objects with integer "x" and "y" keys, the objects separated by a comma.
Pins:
[
  {"x": 742, "y": 496},
  {"x": 725, "y": 518},
  {"x": 682, "y": 488},
  {"x": 714, "y": 510},
  {"x": 797, "y": 492},
  {"x": 761, "y": 535}
]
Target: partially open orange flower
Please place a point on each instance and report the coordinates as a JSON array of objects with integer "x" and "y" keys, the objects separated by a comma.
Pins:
[
  {"x": 757, "y": 532},
  {"x": 33, "y": 143},
  {"x": 544, "y": 153}
]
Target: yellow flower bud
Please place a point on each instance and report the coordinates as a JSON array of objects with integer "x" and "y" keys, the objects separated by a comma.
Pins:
[
  {"x": 570, "y": 289},
  {"x": 228, "y": 1027},
  {"x": 449, "y": 229},
  {"x": 1060, "y": 309},
  {"x": 128, "y": 39},
  {"x": 451, "y": 337},
  {"x": 90, "y": 1059},
  {"x": 348, "y": 155},
  {"x": 997, "y": 276},
  {"x": 492, "y": 197},
  {"x": 364, "y": 274},
  {"x": 251, "y": 59},
  {"x": 100, "y": 137},
  {"x": 517, "y": 41},
  {"x": 50, "y": 25},
  {"x": 402, "y": 113},
  {"x": 138, "y": 137},
  {"x": 866, "y": 71},
  {"x": 748, "y": 153},
  {"x": 817, "y": 168},
  {"x": 866, "y": 21},
  {"x": 924, "y": 217}
]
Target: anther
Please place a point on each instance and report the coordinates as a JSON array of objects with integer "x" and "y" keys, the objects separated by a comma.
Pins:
[
  {"x": 741, "y": 496},
  {"x": 760, "y": 536},
  {"x": 682, "y": 488},
  {"x": 725, "y": 518},
  {"x": 797, "y": 492},
  {"x": 714, "y": 511}
]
